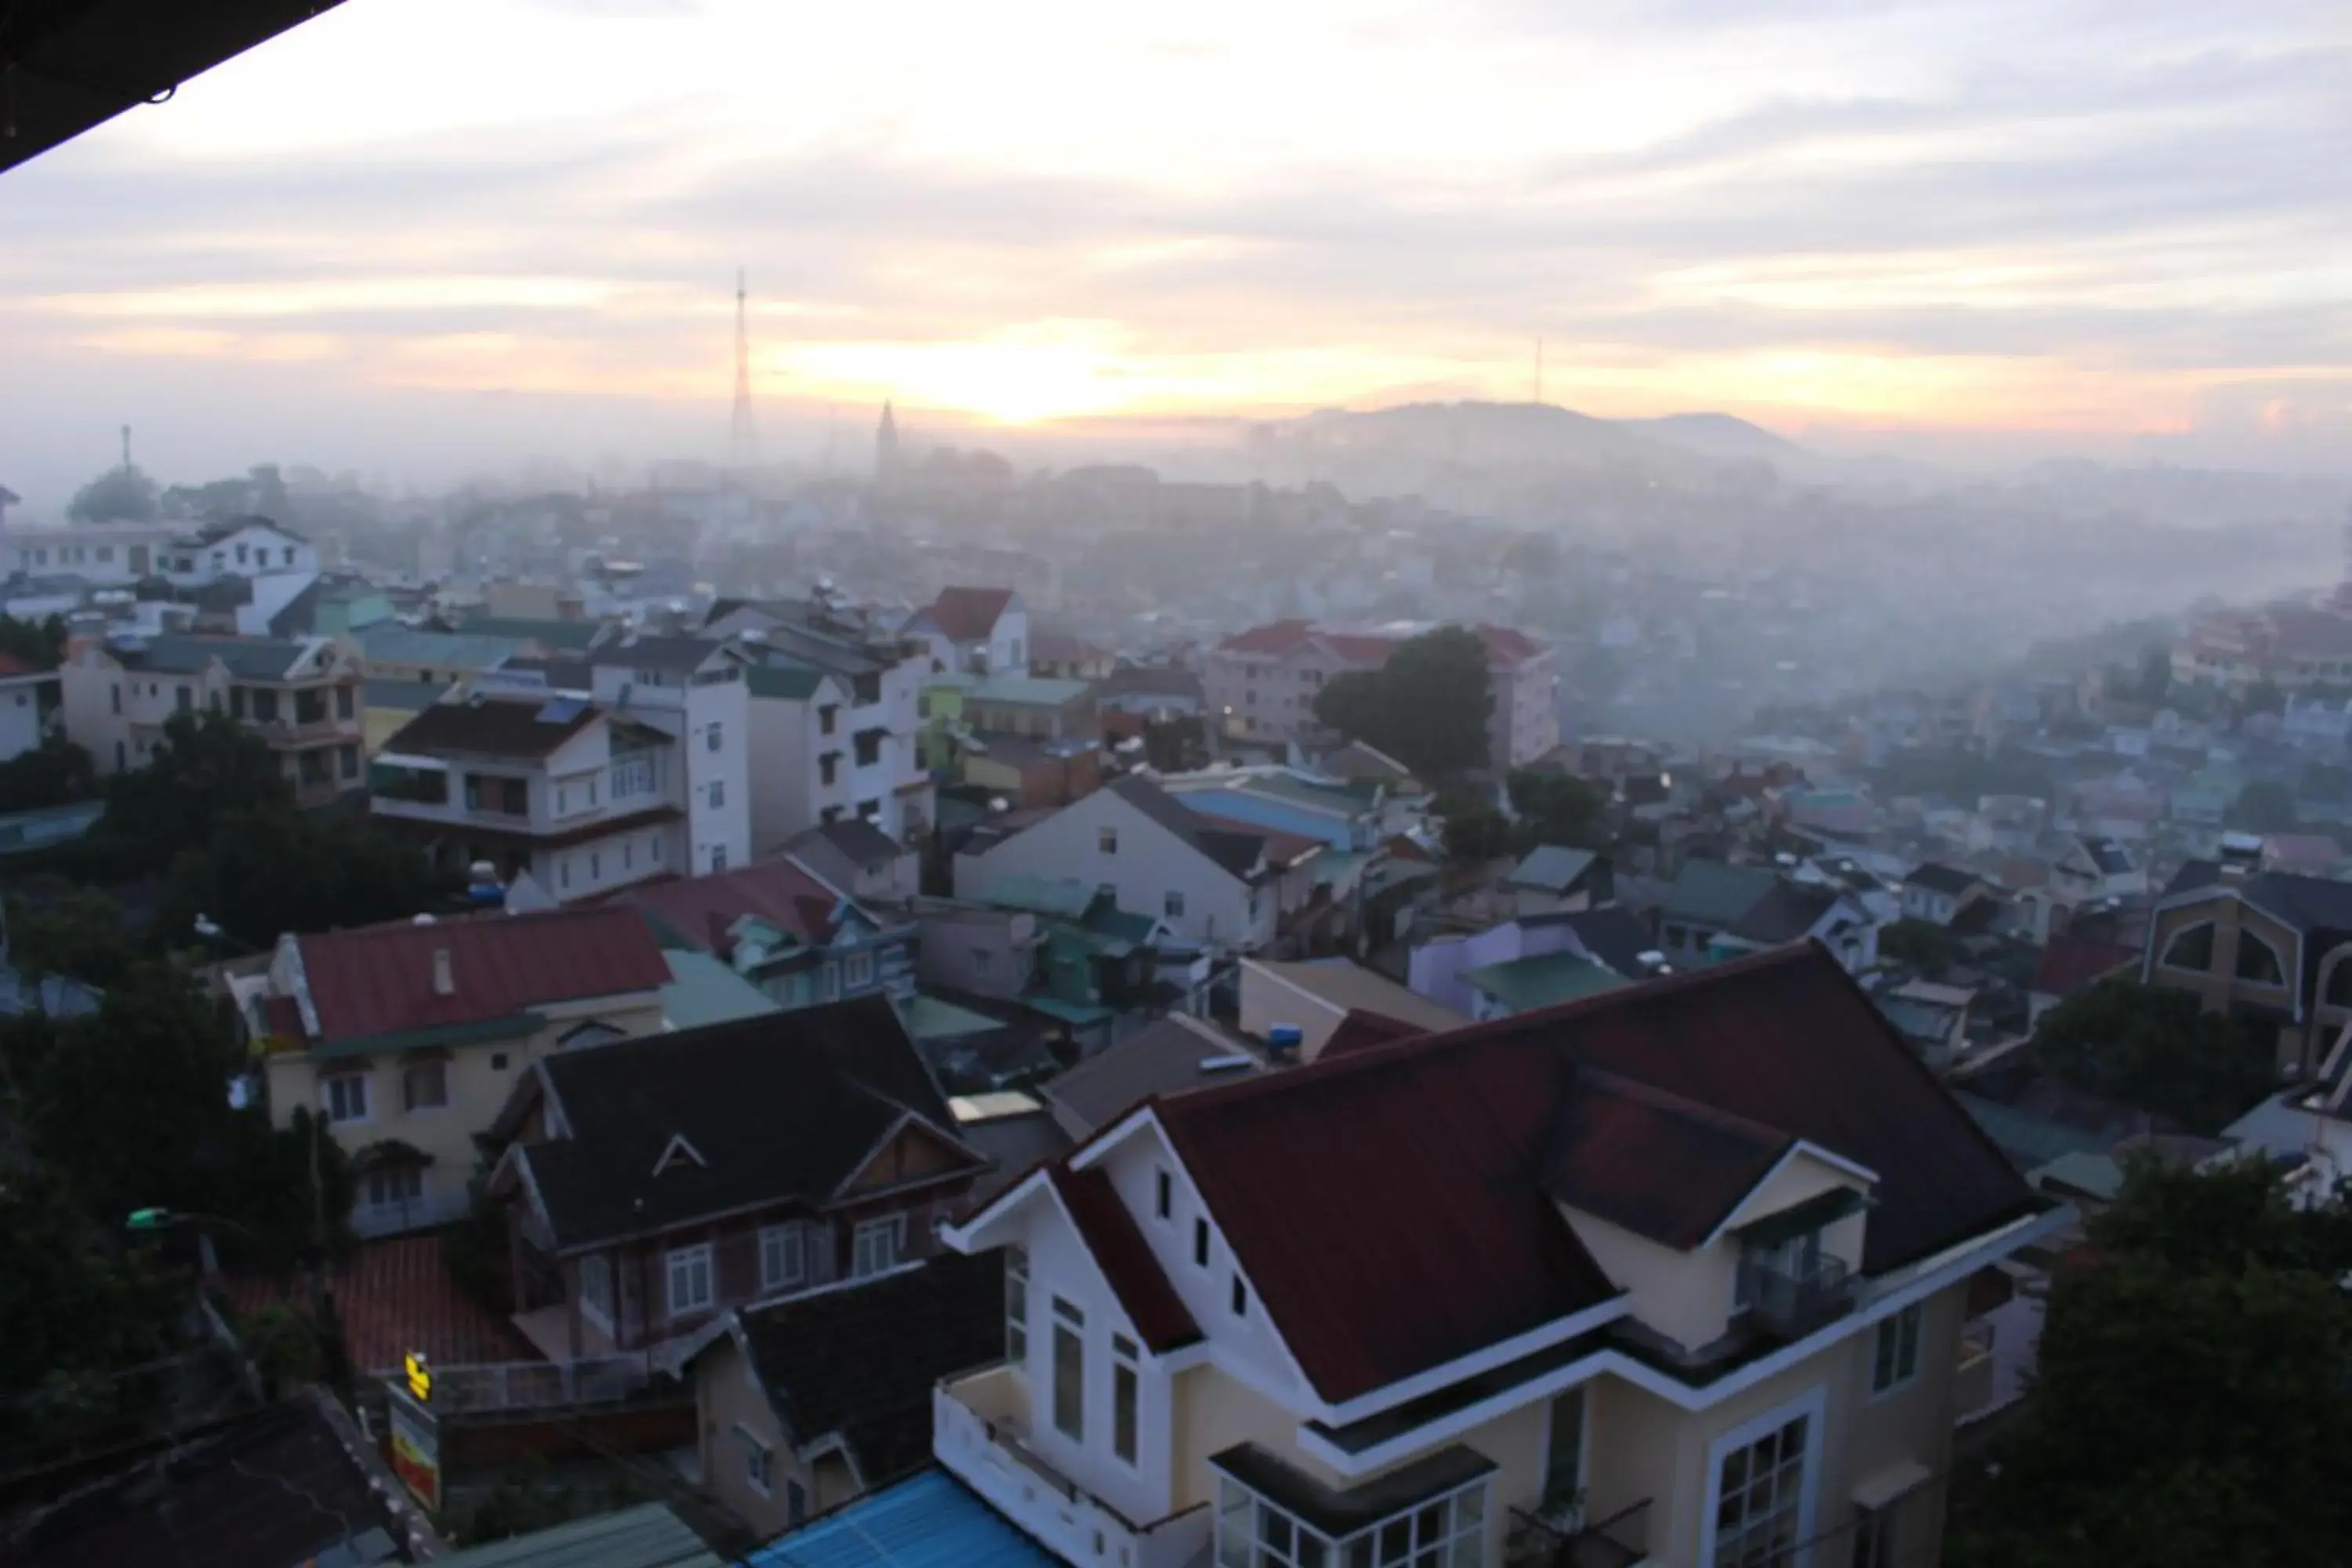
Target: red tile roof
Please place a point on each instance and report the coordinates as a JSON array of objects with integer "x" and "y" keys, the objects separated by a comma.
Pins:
[
  {"x": 969, "y": 614},
  {"x": 701, "y": 909},
  {"x": 1150, "y": 1302},
  {"x": 1615, "y": 1138},
  {"x": 1445, "y": 1138},
  {"x": 2071, "y": 962},
  {"x": 378, "y": 980},
  {"x": 1277, "y": 637},
  {"x": 395, "y": 1296}
]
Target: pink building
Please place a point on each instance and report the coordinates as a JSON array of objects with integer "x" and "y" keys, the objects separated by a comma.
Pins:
[{"x": 1262, "y": 683}]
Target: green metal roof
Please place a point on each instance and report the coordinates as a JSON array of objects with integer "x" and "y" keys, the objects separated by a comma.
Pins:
[
  {"x": 647, "y": 1536},
  {"x": 1025, "y": 690},
  {"x": 791, "y": 683},
  {"x": 702, "y": 990},
  {"x": 1068, "y": 1012},
  {"x": 928, "y": 1018},
  {"x": 389, "y": 642},
  {"x": 1041, "y": 895},
  {"x": 1545, "y": 980},
  {"x": 2028, "y": 1140},
  {"x": 514, "y": 1026},
  {"x": 572, "y": 637}
]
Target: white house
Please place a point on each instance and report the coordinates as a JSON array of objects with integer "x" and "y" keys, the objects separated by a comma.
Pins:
[
  {"x": 692, "y": 689},
  {"x": 979, "y": 631},
  {"x": 1210, "y": 885}
]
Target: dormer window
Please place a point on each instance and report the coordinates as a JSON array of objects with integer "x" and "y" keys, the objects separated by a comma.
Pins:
[{"x": 1786, "y": 1282}]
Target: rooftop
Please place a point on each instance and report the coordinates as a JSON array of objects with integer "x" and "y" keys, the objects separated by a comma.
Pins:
[
  {"x": 647, "y": 1536},
  {"x": 1168, "y": 1057},
  {"x": 703, "y": 911},
  {"x": 967, "y": 615},
  {"x": 520, "y": 730},
  {"x": 1551, "y": 868},
  {"x": 1542, "y": 980},
  {"x": 928, "y": 1521}
]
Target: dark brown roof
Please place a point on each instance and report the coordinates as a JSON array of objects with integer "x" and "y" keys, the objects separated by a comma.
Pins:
[
  {"x": 1150, "y": 1302},
  {"x": 969, "y": 614},
  {"x": 1163, "y": 1057},
  {"x": 1363, "y": 1028},
  {"x": 780, "y": 1107},
  {"x": 2071, "y": 962},
  {"x": 862, "y": 1361},
  {"x": 1446, "y": 1140},
  {"x": 700, "y": 909},
  {"x": 1615, "y": 1138},
  {"x": 494, "y": 728}
]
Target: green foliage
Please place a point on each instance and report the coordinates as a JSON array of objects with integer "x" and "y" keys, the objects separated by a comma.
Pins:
[
  {"x": 1427, "y": 707},
  {"x": 1920, "y": 942},
  {"x": 2156, "y": 1049},
  {"x": 1554, "y": 808},
  {"x": 2190, "y": 1406},
  {"x": 282, "y": 1346},
  {"x": 474, "y": 1250},
  {"x": 41, "y": 644},
  {"x": 77, "y": 1311},
  {"x": 264, "y": 872},
  {"x": 1962, "y": 774},
  {"x": 207, "y": 768},
  {"x": 2265, "y": 806},
  {"x": 118, "y": 495},
  {"x": 55, "y": 772},
  {"x": 76, "y": 932},
  {"x": 1475, "y": 831}
]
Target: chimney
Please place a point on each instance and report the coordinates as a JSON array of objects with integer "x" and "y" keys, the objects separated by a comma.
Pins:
[{"x": 444, "y": 984}]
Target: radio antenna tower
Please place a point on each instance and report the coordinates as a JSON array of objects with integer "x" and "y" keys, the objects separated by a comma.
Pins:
[{"x": 743, "y": 439}]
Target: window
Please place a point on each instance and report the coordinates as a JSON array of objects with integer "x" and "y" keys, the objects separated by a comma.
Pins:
[
  {"x": 1163, "y": 1197},
  {"x": 2190, "y": 949},
  {"x": 1201, "y": 1242},
  {"x": 1124, "y": 1390},
  {"x": 1874, "y": 1539},
  {"x": 499, "y": 1062},
  {"x": 827, "y": 766},
  {"x": 425, "y": 1086},
  {"x": 1069, "y": 1370},
  {"x": 631, "y": 775},
  {"x": 1564, "y": 1449},
  {"x": 713, "y": 738},
  {"x": 1241, "y": 1298},
  {"x": 795, "y": 1503},
  {"x": 595, "y": 866},
  {"x": 1017, "y": 1305},
  {"x": 1173, "y": 906},
  {"x": 1445, "y": 1532},
  {"x": 395, "y": 1186},
  {"x": 184, "y": 698},
  {"x": 1762, "y": 1503},
  {"x": 878, "y": 1245},
  {"x": 1107, "y": 840},
  {"x": 346, "y": 761},
  {"x": 759, "y": 1463},
  {"x": 857, "y": 971},
  {"x": 719, "y": 856},
  {"x": 596, "y": 1290},
  {"x": 689, "y": 1280},
  {"x": 717, "y": 794},
  {"x": 869, "y": 746},
  {"x": 827, "y": 717},
  {"x": 784, "y": 1262},
  {"x": 345, "y": 1096},
  {"x": 828, "y": 982},
  {"x": 981, "y": 959},
  {"x": 1894, "y": 1356},
  {"x": 2258, "y": 961},
  {"x": 115, "y": 692}
]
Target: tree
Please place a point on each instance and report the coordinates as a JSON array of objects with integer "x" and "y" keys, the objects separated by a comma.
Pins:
[
  {"x": 1554, "y": 808},
  {"x": 207, "y": 768},
  {"x": 1920, "y": 942},
  {"x": 55, "y": 772},
  {"x": 41, "y": 644},
  {"x": 1427, "y": 707},
  {"x": 2189, "y": 1405},
  {"x": 267, "y": 872},
  {"x": 1475, "y": 831},
  {"x": 123, "y": 494},
  {"x": 2265, "y": 806},
  {"x": 78, "y": 932},
  {"x": 2156, "y": 1049}
]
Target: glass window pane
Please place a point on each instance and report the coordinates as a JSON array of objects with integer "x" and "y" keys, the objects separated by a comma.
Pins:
[
  {"x": 1470, "y": 1506},
  {"x": 1433, "y": 1523}
]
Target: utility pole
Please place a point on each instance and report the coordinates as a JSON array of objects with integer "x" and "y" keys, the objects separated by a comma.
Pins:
[
  {"x": 126, "y": 448},
  {"x": 742, "y": 439}
]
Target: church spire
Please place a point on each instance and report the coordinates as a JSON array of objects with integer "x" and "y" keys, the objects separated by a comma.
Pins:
[{"x": 886, "y": 445}]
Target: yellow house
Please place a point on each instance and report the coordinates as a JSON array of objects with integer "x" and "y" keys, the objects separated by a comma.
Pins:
[
  {"x": 1672, "y": 1275},
  {"x": 408, "y": 1038}
]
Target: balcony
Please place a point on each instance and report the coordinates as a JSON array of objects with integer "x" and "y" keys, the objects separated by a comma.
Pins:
[
  {"x": 978, "y": 1428},
  {"x": 1567, "y": 1539},
  {"x": 1789, "y": 1301},
  {"x": 369, "y": 1221}
]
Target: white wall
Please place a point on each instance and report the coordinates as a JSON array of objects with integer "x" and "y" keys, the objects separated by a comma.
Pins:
[{"x": 20, "y": 717}]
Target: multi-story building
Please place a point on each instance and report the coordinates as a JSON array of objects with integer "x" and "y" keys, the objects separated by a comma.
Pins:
[
  {"x": 118, "y": 554},
  {"x": 1673, "y": 1275},
  {"x": 2270, "y": 949},
  {"x": 1261, "y": 684},
  {"x": 802, "y": 940},
  {"x": 300, "y": 695},
  {"x": 655, "y": 1184},
  {"x": 408, "y": 1038},
  {"x": 584, "y": 799},
  {"x": 836, "y": 719},
  {"x": 692, "y": 689},
  {"x": 30, "y": 706}
]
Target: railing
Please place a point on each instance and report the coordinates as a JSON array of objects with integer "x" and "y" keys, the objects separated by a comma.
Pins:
[
  {"x": 371, "y": 1220},
  {"x": 990, "y": 1453},
  {"x": 490, "y": 1387},
  {"x": 1789, "y": 1302},
  {"x": 1566, "y": 1539}
]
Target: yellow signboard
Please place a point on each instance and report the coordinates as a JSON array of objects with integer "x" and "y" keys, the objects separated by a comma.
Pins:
[{"x": 420, "y": 1378}]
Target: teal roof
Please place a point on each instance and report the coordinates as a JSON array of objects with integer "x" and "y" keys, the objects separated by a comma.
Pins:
[
  {"x": 702, "y": 990},
  {"x": 1025, "y": 690},
  {"x": 928, "y": 1018},
  {"x": 2098, "y": 1175},
  {"x": 1716, "y": 894},
  {"x": 791, "y": 683},
  {"x": 2028, "y": 1140},
  {"x": 389, "y": 642},
  {"x": 571, "y": 636},
  {"x": 928, "y": 1521},
  {"x": 1552, "y": 867},
  {"x": 1075, "y": 1013},
  {"x": 647, "y": 1536},
  {"x": 1545, "y": 980}
]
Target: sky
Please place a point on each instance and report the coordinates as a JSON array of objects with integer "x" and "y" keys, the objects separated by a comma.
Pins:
[{"x": 415, "y": 235}]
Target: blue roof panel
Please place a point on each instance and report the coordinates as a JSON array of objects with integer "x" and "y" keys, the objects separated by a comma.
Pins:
[{"x": 929, "y": 1520}]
